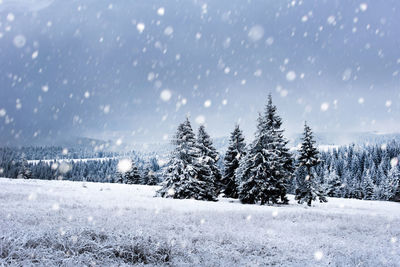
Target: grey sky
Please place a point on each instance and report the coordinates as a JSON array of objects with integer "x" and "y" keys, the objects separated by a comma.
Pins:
[{"x": 90, "y": 68}]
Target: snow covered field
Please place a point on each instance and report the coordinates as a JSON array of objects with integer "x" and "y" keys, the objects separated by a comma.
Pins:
[{"x": 74, "y": 223}]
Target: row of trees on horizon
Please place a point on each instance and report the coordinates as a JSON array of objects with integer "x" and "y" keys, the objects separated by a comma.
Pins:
[{"x": 263, "y": 171}]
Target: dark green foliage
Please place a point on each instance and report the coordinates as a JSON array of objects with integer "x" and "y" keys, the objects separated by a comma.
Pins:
[
  {"x": 186, "y": 176},
  {"x": 309, "y": 187},
  {"x": 209, "y": 156},
  {"x": 235, "y": 152},
  {"x": 266, "y": 169}
]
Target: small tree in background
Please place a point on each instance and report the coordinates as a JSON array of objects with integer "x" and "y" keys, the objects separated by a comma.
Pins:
[
  {"x": 128, "y": 173},
  {"x": 24, "y": 172},
  {"x": 333, "y": 183},
  {"x": 368, "y": 186},
  {"x": 390, "y": 186},
  {"x": 308, "y": 187}
]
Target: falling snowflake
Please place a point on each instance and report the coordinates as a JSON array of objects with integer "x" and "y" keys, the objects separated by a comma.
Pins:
[
  {"x": 363, "y": 7},
  {"x": 207, "y": 103},
  {"x": 168, "y": 30},
  {"x": 165, "y": 95},
  {"x": 324, "y": 106},
  {"x": 35, "y": 54},
  {"x": 118, "y": 142},
  {"x": 171, "y": 192},
  {"x": 55, "y": 206},
  {"x": 331, "y": 20},
  {"x": 346, "y": 74},
  {"x": 291, "y": 76},
  {"x": 140, "y": 27},
  {"x": 10, "y": 17},
  {"x": 64, "y": 167},
  {"x": 161, "y": 11},
  {"x": 106, "y": 109},
  {"x": 256, "y": 33},
  {"x": 124, "y": 165},
  {"x": 394, "y": 162},
  {"x": 270, "y": 40},
  {"x": 318, "y": 255},
  {"x": 200, "y": 119},
  {"x": 19, "y": 41},
  {"x": 32, "y": 196}
]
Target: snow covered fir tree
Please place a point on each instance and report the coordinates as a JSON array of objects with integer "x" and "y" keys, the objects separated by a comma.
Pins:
[
  {"x": 186, "y": 176},
  {"x": 209, "y": 155},
  {"x": 308, "y": 186},
  {"x": 235, "y": 152},
  {"x": 267, "y": 168},
  {"x": 130, "y": 175}
]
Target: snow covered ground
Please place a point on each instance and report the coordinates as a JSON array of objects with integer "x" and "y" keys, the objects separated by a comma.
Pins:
[{"x": 75, "y": 223}]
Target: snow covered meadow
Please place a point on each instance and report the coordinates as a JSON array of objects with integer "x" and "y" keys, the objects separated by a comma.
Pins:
[{"x": 67, "y": 223}]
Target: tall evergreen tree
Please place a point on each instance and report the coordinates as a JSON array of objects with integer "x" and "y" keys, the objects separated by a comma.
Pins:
[
  {"x": 267, "y": 168},
  {"x": 236, "y": 150},
  {"x": 186, "y": 176},
  {"x": 309, "y": 188},
  {"x": 209, "y": 155}
]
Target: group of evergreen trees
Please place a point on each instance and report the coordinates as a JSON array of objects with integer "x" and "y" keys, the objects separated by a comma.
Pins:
[
  {"x": 192, "y": 171},
  {"x": 362, "y": 172},
  {"x": 13, "y": 164},
  {"x": 258, "y": 173},
  {"x": 263, "y": 171},
  {"x": 134, "y": 176}
]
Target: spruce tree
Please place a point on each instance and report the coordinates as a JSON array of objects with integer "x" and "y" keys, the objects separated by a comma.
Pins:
[
  {"x": 267, "y": 168},
  {"x": 209, "y": 155},
  {"x": 309, "y": 188},
  {"x": 186, "y": 176},
  {"x": 236, "y": 150}
]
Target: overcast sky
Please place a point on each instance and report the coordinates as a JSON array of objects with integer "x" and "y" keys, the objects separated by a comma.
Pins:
[{"x": 132, "y": 70}]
